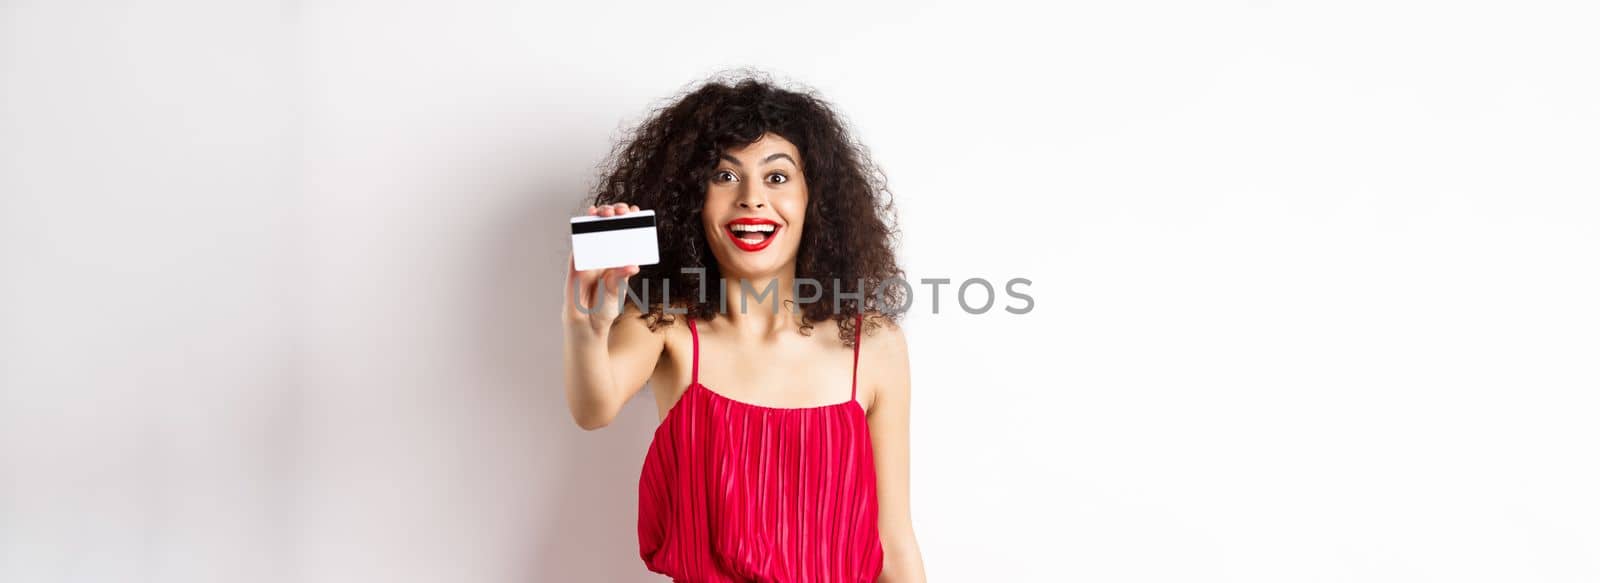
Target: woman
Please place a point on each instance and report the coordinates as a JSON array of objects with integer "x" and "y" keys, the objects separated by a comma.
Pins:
[{"x": 782, "y": 453}]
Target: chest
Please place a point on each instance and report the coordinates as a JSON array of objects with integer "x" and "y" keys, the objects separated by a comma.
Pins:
[{"x": 796, "y": 371}]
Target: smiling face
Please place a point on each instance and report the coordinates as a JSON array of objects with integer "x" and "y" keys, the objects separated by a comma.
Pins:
[{"x": 756, "y": 207}]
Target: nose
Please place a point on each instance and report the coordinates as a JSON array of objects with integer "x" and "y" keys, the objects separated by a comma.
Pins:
[{"x": 751, "y": 198}]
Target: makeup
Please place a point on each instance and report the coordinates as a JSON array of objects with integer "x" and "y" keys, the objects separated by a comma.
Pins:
[{"x": 752, "y": 234}]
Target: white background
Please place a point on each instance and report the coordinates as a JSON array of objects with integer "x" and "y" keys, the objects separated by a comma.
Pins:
[{"x": 1315, "y": 285}]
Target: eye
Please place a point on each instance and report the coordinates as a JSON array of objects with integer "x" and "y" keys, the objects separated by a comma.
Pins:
[
  {"x": 718, "y": 177},
  {"x": 779, "y": 175}
]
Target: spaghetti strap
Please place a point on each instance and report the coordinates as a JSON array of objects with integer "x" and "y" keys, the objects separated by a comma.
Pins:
[
  {"x": 694, "y": 374},
  {"x": 857, "y": 362}
]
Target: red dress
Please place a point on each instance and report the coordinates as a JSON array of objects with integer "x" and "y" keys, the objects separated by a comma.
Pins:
[{"x": 738, "y": 492}]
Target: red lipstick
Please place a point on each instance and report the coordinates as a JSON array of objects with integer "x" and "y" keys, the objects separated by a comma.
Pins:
[{"x": 739, "y": 229}]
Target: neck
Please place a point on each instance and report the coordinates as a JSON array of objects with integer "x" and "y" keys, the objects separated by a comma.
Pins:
[{"x": 761, "y": 303}]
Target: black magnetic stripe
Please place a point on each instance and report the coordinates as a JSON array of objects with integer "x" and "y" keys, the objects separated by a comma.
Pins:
[{"x": 613, "y": 224}]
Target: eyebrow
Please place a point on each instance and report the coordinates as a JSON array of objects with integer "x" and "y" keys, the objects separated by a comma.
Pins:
[{"x": 769, "y": 159}]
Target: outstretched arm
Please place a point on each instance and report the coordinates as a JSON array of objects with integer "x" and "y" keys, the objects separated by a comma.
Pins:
[{"x": 609, "y": 352}]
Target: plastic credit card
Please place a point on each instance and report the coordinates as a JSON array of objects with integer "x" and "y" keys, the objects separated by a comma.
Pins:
[{"x": 602, "y": 242}]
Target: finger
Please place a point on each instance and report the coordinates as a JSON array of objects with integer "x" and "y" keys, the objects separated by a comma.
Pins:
[
  {"x": 622, "y": 208},
  {"x": 588, "y": 277},
  {"x": 587, "y": 281},
  {"x": 625, "y": 275},
  {"x": 618, "y": 277},
  {"x": 608, "y": 290},
  {"x": 633, "y": 208}
]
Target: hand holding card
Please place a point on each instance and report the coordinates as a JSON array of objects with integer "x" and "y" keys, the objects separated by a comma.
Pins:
[
  {"x": 599, "y": 242},
  {"x": 608, "y": 246}
]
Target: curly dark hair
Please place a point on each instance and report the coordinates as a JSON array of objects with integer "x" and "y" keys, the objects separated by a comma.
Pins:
[{"x": 666, "y": 161}]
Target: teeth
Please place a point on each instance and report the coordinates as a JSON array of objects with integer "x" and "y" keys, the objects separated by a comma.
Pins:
[{"x": 736, "y": 227}]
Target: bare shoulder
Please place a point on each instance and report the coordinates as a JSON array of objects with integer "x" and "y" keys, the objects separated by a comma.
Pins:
[
  {"x": 632, "y": 326},
  {"x": 885, "y": 358},
  {"x": 881, "y": 334}
]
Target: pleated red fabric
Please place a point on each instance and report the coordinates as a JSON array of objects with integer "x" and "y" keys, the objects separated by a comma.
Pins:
[{"x": 738, "y": 492}]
